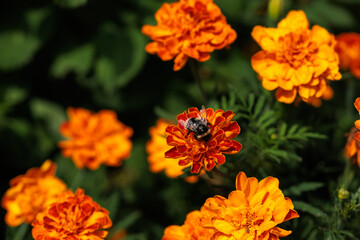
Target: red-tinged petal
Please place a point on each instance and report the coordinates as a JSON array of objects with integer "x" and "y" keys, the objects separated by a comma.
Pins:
[
  {"x": 220, "y": 158},
  {"x": 173, "y": 153},
  {"x": 357, "y": 104}
]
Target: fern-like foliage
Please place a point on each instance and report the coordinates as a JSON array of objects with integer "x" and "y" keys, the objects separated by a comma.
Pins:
[{"x": 266, "y": 138}]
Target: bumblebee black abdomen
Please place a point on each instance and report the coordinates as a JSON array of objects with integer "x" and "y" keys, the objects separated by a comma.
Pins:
[{"x": 199, "y": 127}]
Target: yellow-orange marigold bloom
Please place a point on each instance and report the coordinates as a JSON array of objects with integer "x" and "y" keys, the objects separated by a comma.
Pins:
[
  {"x": 352, "y": 147},
  {"x": 357, "y": 122},
  {"x": 252, "y": 211},
  {"x": 295, "y": 60},
  {"x": 95, "y": 138},
  {"x": 348, "y": 48},
  {"x": 188, "y": 28},
  {"x": 191, "y": 230},
  {"x": 156, "y": 148},
  {"x": 30, "y": 193},
  {"x": 200, "y": 152},
  {"x": 72, "y": 216}
]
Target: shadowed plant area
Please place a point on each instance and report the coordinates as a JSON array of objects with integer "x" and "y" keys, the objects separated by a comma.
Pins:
[{"x": 180, "y": 119}]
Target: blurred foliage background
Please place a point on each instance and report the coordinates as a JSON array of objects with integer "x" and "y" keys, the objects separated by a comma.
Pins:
[{"x": 90, "y": 54}]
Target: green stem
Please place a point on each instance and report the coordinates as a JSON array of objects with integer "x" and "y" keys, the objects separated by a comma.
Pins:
[
  {"x": 349, "y": 96},
  {"x": 216, "y": 171},
  {"x": 197, "y": 79},
  {"x": 77, "y": 179},
  {"x": 348, "y": 174}
]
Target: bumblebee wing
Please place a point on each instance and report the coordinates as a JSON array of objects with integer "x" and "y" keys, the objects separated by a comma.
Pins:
[
  {"x": 182, "y": 123},
  {"x": 203, "y": 112}
]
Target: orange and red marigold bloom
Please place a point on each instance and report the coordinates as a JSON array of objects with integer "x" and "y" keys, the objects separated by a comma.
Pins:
[
  {"x": 190, "y": 230},
  {"x": 31, "y": 193},
  {"x": 72, "y": 216},
  {"x": 156, "y": 148},
  {"x": 295, "y": 60},
  {"x": 352, "y": 147},
  {"x": 252, "y": 211},
  {"x": 188, "y": 29},
  {"x": 95, "y": 138},
  {"x": 357, "y": 122},
  {"x": 348, "y": 48},
  {"x": 201, "y": 152}
]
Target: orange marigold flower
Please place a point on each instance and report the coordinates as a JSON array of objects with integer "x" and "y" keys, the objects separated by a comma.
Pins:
[
  {"x": 201, "y": 138},
  {"x": 252, "y": 211},
  {"x": 72, "y": 216},
  {"x": 188, "y": 28},
  {"x": 95, "y": 138},
  {"x": 352, "y": 147},
  {"x": 31, "y": 193},
  {"x": 191, "y": 230},
  {"x": 156, "y": 148},
  {"x": 357, "y": 122},
  {"x": 348, "y": 48},
  {"x": 295, "y": 60}
]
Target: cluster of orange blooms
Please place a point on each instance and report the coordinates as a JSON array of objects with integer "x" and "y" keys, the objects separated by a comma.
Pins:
[
  {"x": 296, "y": 61},
  {"x": 41, "y": 199},
  {"x": 352, "y": 147},
  {"x": 252, "y": 211}
]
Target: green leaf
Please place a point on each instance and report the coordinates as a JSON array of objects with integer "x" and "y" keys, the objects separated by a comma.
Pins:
[
  {"x": 251, "y": 101},
  {"x": 11, "y": 97},
  {"x": 76, "y": 60},
  {"x": 70, "y": 3},
  {"x": 259, "y": 106},
  {"x": 126, "y": 222},
  {"x": 17, "y": 48},
  {"x": 276, "y": 154},
  {"x": 17, "y": 233},
  {"x": 35, "y": 18},
  {"x": 137, "y": 236},
  {"x": 265, "y": 117},
  {"x": 162, "y": 113},
  {"x": 121, "y": 55},
  {"x": 326, "y": 14},
  {"x": 304, "y": 187},
  {"x": 51, "y": 113},
  {"x": 305, "y": 207}
]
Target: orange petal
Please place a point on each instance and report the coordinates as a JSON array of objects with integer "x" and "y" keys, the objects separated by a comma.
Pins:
[
  {"x": 294, "y": 20},
  {"x": 285, "y": 96}
]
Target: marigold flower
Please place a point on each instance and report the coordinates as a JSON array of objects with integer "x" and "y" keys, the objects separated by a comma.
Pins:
[
  {"x": 348, "y": 48},
  {"x": 191, "y": 230},
  {"x": 352, "y": 147},
  {"x": 252, "y": 211},
  {"x": 188, "y": 28},
  {"x": 31, "y": 193},
  {"x": 202, "y": 152},
  {"x": 95, "y": 138},
  {"x": 295, "y": 60},
  {"x": 72, "y": 216},
  {"x": 156, "y": 148},
  {"x": 357, "y": 122}
]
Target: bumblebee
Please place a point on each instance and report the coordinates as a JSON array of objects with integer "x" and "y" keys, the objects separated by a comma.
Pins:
[{"x": 198, "y": 125}]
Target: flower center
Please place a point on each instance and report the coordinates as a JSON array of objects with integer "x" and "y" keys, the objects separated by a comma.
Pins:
[
  {"x": 69, "y": 222},
  {"x": 296, "y": 48},
  {"x": 248, "y": 220},
  {"x": 192, "y": 18}
]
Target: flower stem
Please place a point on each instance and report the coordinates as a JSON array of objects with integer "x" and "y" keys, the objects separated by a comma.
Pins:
[
  {"x": 196, "y": 76},
  {"x": 348, "y": 174},
  {"x": 219, "y": 173}
]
